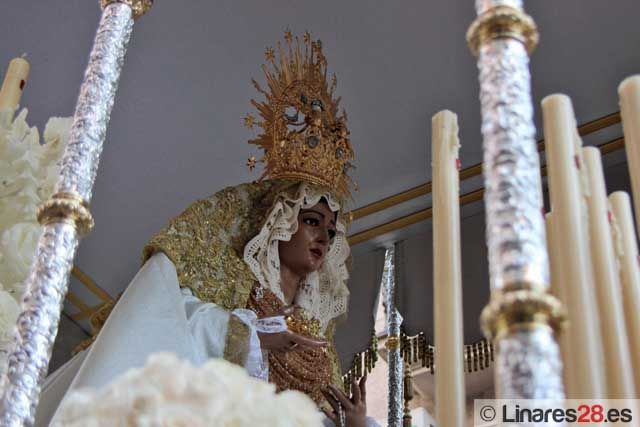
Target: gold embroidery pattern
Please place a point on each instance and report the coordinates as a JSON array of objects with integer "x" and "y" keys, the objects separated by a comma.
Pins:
[
  {"x": 236, "y": 347},
  {"x": 206, "y": 241},
  {"x": 336, "y": 369}
]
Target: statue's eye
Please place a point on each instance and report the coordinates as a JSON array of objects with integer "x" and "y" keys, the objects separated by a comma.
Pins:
[
  {"x": 316, "y": 105},
  {"x": 312, "y": 221}
]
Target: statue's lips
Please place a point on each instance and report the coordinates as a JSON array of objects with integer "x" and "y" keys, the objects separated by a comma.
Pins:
[{"x": 316, "y": 253}]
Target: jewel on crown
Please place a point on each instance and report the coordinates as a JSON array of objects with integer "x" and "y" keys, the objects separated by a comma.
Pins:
[{"x": 303, "y": 135}]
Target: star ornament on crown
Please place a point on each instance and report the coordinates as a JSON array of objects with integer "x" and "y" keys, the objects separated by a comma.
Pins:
[{"x": 304, "y": 136}]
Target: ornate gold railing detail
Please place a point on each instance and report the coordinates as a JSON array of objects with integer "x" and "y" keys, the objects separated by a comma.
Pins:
[
  {"x": 87, "y": 311},
  {"x": 407, "y": 396},
  {"x": 478, "y": 356},
  {"x": 416, "y": 350},
  {"x": 363, "y": 363}
]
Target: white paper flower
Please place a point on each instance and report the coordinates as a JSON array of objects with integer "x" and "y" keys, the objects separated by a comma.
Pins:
[
  {"x": 17, "y": 249},
  {"x": 169, "y": 392},
  {"x": 9, "y": 310},
  {"x": 56, "y": 136}
]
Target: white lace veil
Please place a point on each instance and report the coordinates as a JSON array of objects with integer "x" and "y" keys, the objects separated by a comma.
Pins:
[{"x": 324, "y": 295}]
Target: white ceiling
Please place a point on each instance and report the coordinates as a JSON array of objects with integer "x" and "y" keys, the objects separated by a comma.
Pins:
[{"x": 176, "y": 131}]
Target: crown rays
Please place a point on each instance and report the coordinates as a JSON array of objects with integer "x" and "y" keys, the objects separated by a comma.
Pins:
[{"x": 297, "y": 64}]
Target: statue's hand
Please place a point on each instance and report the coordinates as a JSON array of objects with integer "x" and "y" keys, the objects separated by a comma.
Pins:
[
  {"x": 288, "y": 341},
  {"x": 355, "y": 409}
]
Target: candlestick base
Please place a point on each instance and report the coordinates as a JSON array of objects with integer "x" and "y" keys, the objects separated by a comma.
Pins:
[
  {"x": 503, "y": 22},
  {"x": 521, "y": 309},
  {"x": 67, "y": 207},
  {"x": 138, "y": 7}
]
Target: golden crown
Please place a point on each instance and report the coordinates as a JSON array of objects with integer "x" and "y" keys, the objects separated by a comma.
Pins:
[{"x": 303, "y": 135}]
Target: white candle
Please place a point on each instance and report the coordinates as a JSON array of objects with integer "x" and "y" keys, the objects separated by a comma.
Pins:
[
  {"x": 14, "y": 82},
  {"x": 629, "y": 93},
  {"x": 614, "y": 333},
  {"x": 555, "y": 288},
  {"x": 553, "y": 268},
  {"x": 447, "y": 273},
  {"x": 585, "y": 374},
  {"x": 625, "y": 233}
]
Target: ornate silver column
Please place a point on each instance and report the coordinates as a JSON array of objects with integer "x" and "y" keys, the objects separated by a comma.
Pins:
[
  {"x": 394, "y": 321},
  {"x": 521, "y": 317},
  {"x": 66, "y": 217}
]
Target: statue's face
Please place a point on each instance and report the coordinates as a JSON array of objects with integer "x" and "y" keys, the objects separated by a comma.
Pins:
[{"x": 307, "y": 249}]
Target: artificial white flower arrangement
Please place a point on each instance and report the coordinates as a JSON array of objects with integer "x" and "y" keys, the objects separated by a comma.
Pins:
[
  {"x": 170, "y": 392},
  {"x": 28, "y": 173}
]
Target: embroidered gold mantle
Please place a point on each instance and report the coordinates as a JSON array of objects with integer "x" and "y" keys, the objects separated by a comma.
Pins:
[{"x": 206, "y": 243}]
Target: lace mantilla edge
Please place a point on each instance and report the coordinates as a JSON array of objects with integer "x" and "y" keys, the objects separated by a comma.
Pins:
[{"x": 324, "y": 295}]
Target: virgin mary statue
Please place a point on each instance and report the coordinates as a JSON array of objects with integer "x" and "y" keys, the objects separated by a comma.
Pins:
[{"x": 255, "y": 273}]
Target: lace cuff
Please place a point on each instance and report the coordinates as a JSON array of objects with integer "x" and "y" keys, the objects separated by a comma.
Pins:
[{"x": 255, "y": 361}]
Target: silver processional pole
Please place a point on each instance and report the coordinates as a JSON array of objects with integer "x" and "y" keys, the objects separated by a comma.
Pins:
[
  {"x": 66, "y": 217},
  {"x": 394, "y": 321},
  {"x": 521, "y": 316}
]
